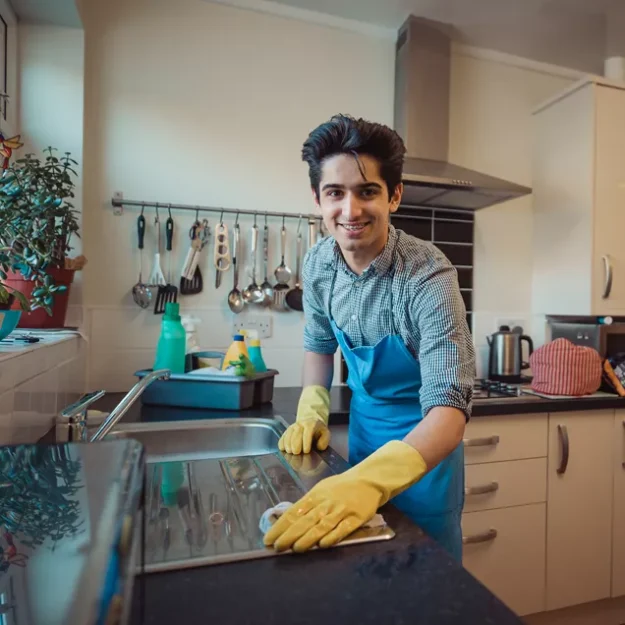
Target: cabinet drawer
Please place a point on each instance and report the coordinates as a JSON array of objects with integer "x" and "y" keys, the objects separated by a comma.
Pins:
[
  {"x": 501, "y": 484},
  {"x": 505, "y": 550},
  {"x": 513, "y": 437}
]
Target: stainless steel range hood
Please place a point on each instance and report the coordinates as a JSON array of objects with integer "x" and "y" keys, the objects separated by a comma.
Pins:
[{"x": 422, "y": 77}]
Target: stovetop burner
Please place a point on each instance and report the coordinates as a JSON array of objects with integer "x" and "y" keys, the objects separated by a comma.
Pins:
[{"x": 495, "y": 389}]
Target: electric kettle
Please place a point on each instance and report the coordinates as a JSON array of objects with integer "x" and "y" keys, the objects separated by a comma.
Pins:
[{"x": 505, "y": 361}]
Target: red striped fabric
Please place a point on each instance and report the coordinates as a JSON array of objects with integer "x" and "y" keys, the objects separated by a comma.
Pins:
[{"x": 563, "y": 368}]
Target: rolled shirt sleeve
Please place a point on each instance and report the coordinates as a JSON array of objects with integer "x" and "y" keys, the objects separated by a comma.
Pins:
[
  {"x": 446, "y": 352},
  {"x": 318, "y": 335}
]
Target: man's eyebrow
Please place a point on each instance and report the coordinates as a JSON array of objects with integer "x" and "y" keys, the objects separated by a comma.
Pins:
[{"x": 364, "y": 185}]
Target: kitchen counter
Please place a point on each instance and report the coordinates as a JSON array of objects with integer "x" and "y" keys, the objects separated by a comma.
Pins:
[
  {"x": 409, "y": 579},
  {"x": 285, "y": 404}
]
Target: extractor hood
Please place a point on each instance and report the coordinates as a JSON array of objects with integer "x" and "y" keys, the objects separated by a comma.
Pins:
[{"x": 422, "y": 77}]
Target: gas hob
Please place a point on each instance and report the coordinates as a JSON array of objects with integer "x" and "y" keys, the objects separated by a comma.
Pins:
[{"x": 493, "y": 389}]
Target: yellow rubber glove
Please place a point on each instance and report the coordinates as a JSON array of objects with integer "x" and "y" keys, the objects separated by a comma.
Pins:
[
  {"x": 311, "y": 423},
  {"x": 339, "y": 505}
]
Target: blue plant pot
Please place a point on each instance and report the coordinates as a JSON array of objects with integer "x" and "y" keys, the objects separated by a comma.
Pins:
[{"x": 8, "y": 323}]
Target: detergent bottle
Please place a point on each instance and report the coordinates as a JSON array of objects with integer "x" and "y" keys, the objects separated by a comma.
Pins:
[
  {"x": 256, "y": 355},
  {"x": 236, "y": 350},
  {"x": 170, "y": 351}
]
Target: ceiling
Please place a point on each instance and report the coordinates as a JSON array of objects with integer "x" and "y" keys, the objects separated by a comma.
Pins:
[
  {"x": 54, "y": 12},
  {"x": 572, "y": 33}
]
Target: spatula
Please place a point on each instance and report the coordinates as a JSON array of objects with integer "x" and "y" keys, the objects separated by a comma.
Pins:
[{"x": 168, "y": 292}]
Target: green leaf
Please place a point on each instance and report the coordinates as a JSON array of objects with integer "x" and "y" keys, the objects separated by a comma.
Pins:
[{"x": 21, "y": 298}]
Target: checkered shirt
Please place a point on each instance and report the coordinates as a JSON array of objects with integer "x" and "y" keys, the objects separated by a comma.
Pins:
[{"x": 428, "y": 312}]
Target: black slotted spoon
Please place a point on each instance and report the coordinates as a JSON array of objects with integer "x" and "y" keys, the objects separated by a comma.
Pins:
[{"x": 167, "y": 293}]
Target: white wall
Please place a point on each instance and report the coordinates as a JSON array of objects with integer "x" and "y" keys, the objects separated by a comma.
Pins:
[
  {"x": 492, "y": 97},
  {"x": 51, "y": 67},
  {"x": 200, "y": 103}
]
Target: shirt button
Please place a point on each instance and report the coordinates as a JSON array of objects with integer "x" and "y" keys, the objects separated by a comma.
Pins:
[{"x": 353, "y": 317}]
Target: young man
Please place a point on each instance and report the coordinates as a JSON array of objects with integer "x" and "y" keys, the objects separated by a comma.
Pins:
[{"x": 391, "y": 302}]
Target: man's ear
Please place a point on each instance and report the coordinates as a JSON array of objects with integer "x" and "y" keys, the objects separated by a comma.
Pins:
[{"x": 396, "y": 197}]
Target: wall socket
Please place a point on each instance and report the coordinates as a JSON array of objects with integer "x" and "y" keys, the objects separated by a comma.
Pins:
[
  {"x": 261, "y": 323},
  {"x": 511, "y": 322}
]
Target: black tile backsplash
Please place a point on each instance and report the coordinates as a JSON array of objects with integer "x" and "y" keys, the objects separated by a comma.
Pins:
[
  {"x": 452, "y": 232},
  {"x": 457, "y": 254}
]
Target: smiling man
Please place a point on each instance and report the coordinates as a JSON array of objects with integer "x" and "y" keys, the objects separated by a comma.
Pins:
[{"x": 391, "y": 302}]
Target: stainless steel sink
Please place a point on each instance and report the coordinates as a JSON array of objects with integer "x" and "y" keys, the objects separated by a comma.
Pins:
[
  {"x": 209, "y": 482},
  {"x": 211, "y": 438}
]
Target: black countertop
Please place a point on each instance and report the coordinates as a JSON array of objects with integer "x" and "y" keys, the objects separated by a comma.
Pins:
[
  {"x": 409, "y": 579},
  {"x": 285, "y": 401}
]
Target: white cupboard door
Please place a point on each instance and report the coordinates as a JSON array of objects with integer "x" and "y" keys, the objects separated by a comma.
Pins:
[
  {"x": 505, "y": 550},
  {"x": 609, "y": 249},
  {"x": 618, "y": 525},
  {"x": 579, "y": 507}
]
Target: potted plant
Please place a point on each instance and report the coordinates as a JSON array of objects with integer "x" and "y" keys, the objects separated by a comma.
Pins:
[{"x": 37, "y": 222}]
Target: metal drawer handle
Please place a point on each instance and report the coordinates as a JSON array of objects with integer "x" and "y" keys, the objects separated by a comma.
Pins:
[
  {"x": 564, "y": 441},
  {"x": 482, "y": 489},
  {"x": 607, "y": 264},
  {"x": 484, "y": 537},
  {"x": 481, "y": 442}
]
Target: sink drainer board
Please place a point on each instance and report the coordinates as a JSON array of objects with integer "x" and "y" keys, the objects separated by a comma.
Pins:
[{"x": 209, "y": 482}]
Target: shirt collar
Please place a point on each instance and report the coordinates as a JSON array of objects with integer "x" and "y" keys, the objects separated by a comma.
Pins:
[{"x": 380, "y": 265}]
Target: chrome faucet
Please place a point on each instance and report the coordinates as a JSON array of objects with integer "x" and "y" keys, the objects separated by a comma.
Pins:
[{"x": 72, "y": 425}]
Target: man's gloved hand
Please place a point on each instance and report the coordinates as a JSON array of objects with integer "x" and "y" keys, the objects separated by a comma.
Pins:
[
  {"x": 339, "y": 505},
  {"x": 311, "y": 423}
]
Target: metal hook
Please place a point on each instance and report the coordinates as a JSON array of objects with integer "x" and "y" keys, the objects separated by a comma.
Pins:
[
  {"x": 169, "y": 210},
  {"x": 142, "y": 207},
  {"x": 283, "y": 218},
  {"x": 266, "y": 226},
  {"x": 299, "y": 224},
  {"x": 197, "y": 214},
  {"x": 254, "y": 218},
  {"x": 236, "y": 221},
  {"x": 221, "y": 218},
  {"x": 156, "y": 209}
]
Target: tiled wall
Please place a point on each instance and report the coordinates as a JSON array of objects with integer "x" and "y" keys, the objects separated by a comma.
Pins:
[
  {"x": 36, "y": 385},
  {"x": 123, "y": 340}
]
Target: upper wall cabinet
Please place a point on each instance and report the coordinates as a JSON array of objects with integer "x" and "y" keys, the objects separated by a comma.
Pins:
[{"x": 579, "y": 201}]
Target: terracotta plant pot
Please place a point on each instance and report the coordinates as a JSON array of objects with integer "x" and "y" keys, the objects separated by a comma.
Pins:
[{"x": 39, "y": 318}]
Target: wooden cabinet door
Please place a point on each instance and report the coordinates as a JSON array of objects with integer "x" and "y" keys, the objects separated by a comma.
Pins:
[
  {"x": 618, "y": 525},
  {"x": 609, "y": 213},
  {"x": 505, "y": 550},
  {"x": 579, "y": 507}
]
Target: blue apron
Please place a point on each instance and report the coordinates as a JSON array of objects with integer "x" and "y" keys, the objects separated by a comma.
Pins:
[{"x": 385, "y": 380}]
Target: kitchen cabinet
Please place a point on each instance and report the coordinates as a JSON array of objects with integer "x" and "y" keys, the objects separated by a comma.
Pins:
[
  {"x": 618, "y": 523},
  {"x": 504, "y": 517},
  {"x": 579, "y": 201},
  {"x": 579, "y": 507},
  {"x": 507, "y": 554}
]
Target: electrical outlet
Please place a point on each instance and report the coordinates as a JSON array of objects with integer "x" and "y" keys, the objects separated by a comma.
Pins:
[
  {"x": 510, "y": 322},
  {"x": 261, "y": 323}
]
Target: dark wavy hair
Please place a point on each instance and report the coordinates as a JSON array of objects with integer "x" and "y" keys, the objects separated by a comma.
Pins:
[{"x": 344, "y": 134}]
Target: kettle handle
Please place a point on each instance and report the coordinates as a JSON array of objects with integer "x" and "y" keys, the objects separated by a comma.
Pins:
[{"x": 530, "y": 345}]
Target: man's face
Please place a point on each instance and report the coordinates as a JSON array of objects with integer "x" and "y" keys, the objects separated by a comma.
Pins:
[{"x": 356, "y": 210}]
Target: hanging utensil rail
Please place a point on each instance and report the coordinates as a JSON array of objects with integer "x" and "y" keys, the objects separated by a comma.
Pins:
[{"x": 120, "y": 203}]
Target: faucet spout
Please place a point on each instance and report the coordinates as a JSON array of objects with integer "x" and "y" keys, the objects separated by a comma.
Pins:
[{"x": 122, "y": 408}]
